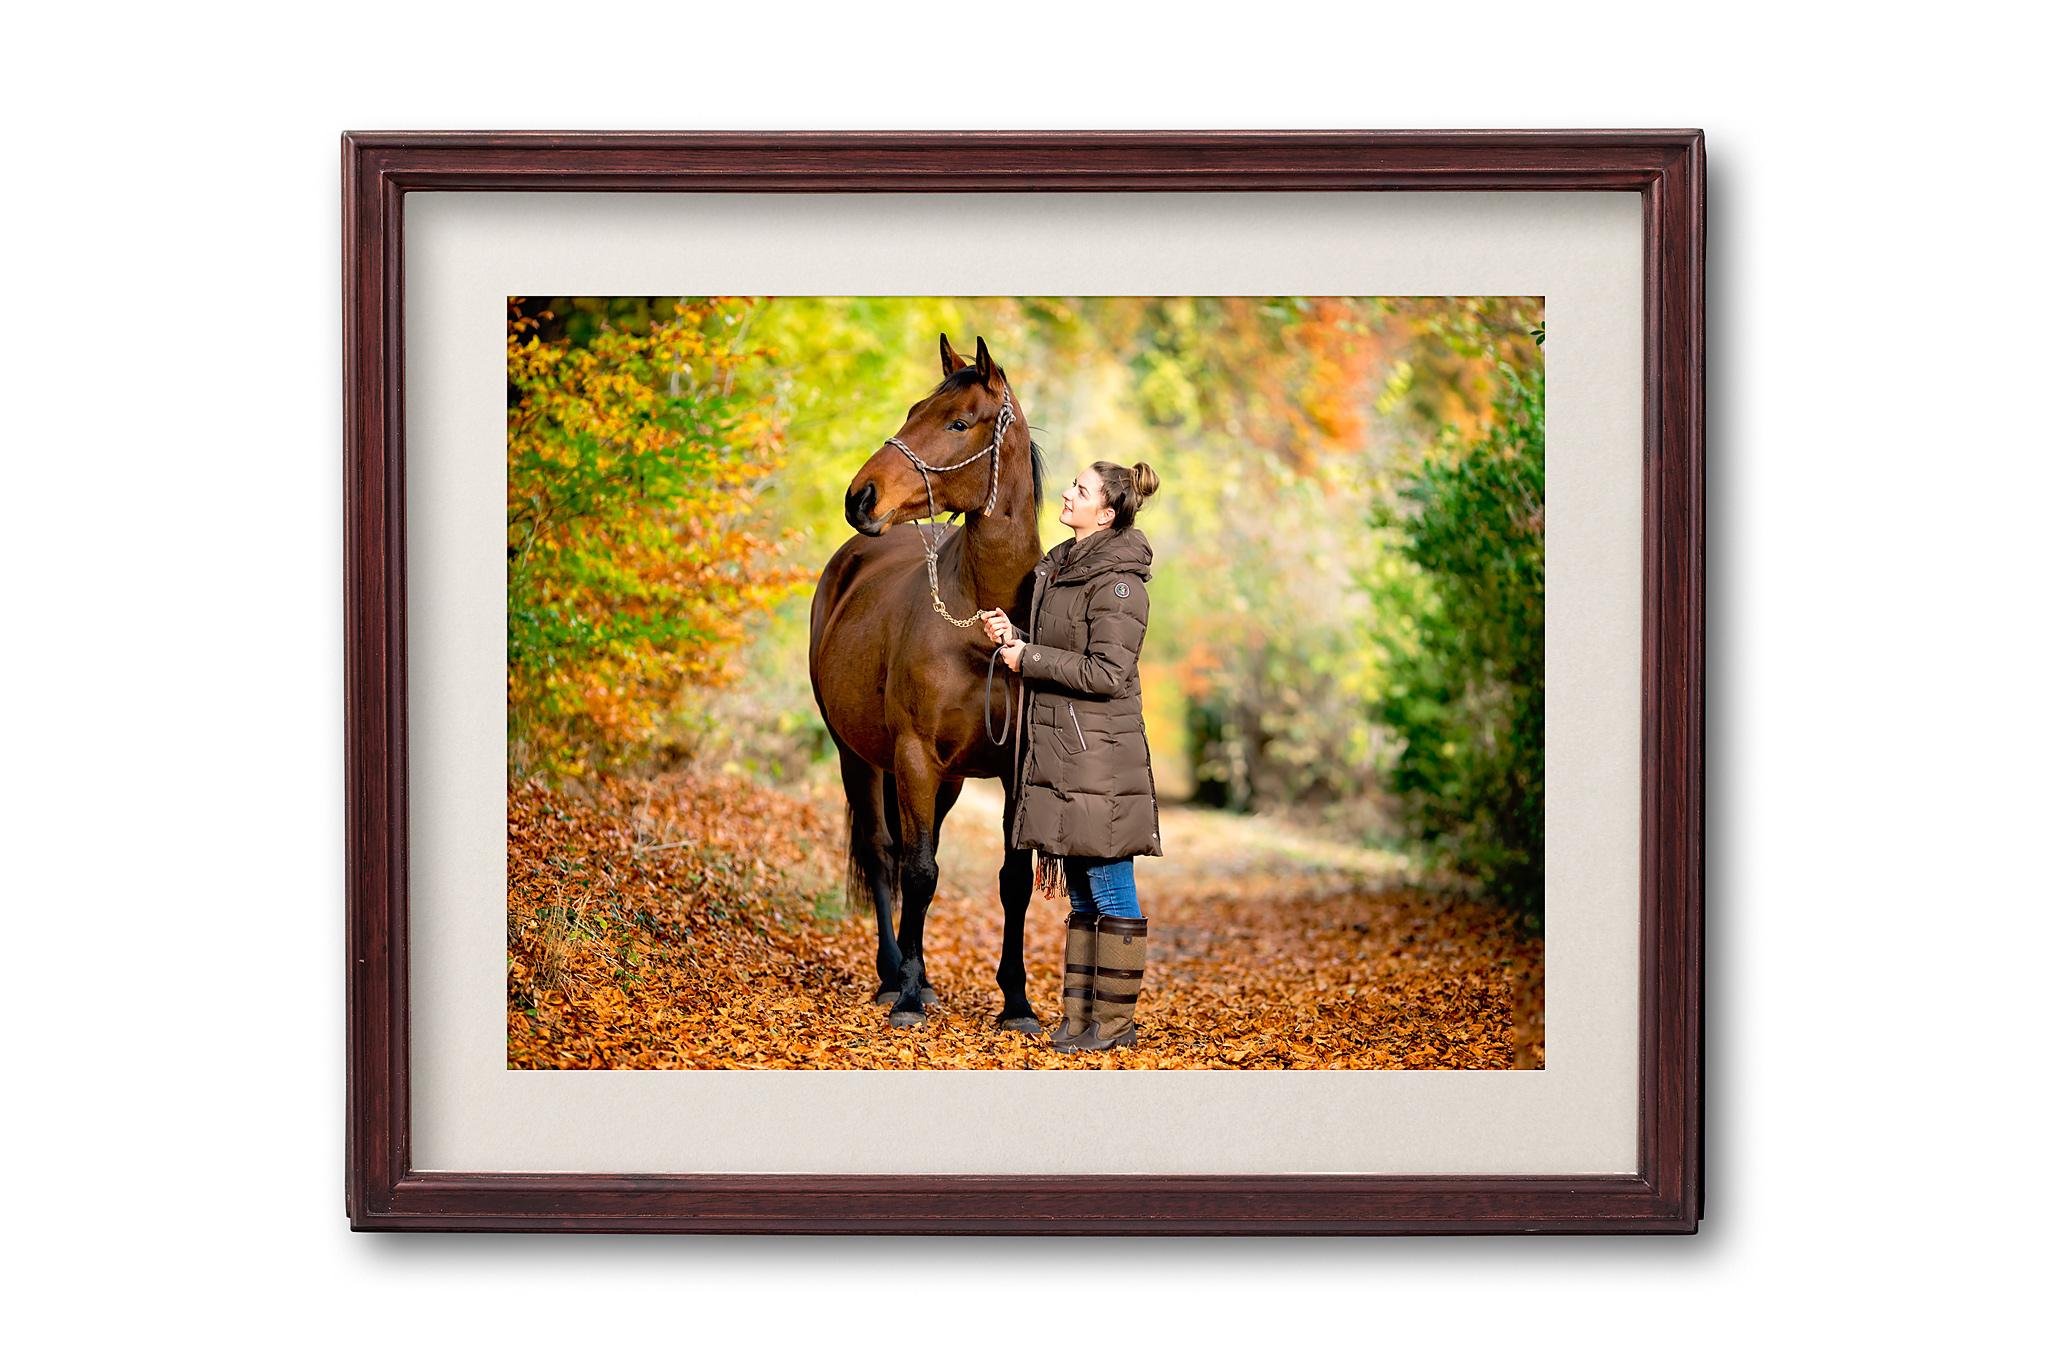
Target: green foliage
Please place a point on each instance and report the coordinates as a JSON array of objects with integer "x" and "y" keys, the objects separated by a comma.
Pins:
[
  {"x": 631, "y": 563},
  {"x": 1459, "y": 621}
]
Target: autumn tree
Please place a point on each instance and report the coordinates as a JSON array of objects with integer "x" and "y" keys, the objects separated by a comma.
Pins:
[{"x": 635, "y": 546}]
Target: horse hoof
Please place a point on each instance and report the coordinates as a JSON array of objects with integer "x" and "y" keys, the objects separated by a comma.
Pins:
[
  {"x": 1024, "y": 1024},
  {"x": 906, "y": 1019},
  {"x": 888, "y": 995}
]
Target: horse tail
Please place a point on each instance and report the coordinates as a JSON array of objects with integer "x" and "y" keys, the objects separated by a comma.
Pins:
[
  {"x": 867, "y": 830},
  {"x": 859, "y": 895}
]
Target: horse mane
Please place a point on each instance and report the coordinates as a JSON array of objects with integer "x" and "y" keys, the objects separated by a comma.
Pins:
[{"x": 967, "y": 376}]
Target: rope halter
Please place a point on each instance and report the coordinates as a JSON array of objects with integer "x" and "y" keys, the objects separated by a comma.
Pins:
[
  {"x": 925, "y": 471},
  {"x": 994, "y": 447}
]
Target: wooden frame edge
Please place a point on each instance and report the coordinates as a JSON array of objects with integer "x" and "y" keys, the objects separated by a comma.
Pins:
[{"x": 1666, "y": 166}]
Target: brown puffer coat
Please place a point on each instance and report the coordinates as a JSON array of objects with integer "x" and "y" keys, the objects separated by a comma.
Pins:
[{"x": 1086, "y": 770}]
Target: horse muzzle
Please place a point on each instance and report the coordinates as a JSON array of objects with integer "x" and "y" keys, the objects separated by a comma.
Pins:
[{"x": 860, "y": 510}]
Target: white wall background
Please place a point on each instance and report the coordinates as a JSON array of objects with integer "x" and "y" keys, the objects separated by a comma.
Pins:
[{"x": 173, "y": 551}]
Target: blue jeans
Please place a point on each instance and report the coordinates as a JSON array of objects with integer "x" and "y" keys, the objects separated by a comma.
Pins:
[{"x": 1106, "y": 885}]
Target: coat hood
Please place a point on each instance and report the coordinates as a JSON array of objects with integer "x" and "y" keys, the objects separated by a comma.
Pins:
[{"x": 1124, "y": 551}]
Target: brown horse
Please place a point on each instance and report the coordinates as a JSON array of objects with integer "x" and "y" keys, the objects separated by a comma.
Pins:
[{"x": 900, "y": 685}]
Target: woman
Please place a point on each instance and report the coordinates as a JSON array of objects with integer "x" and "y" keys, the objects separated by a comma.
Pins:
[{"x": 1085, "y": 798}]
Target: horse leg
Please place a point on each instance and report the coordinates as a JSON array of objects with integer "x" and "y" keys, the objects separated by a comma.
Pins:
[
  {"x": 889, "y": 958},
  {"x": 918, "y": 785},
  {"x": 942, "y": 806},
  {"x": 1015, "y": 882},
  {"x": 871, "y": 853}
]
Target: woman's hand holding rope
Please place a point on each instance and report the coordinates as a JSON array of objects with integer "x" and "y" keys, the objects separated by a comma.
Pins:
[{"x": 995, "y": 623}]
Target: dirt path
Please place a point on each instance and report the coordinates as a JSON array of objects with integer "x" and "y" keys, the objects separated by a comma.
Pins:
[{"x": 691, "y": 924}]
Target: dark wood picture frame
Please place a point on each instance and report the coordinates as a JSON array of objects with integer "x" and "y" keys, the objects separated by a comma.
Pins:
[{"x": 1667, "y": 167}]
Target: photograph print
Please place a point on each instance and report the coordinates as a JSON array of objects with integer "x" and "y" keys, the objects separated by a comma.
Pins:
[{"x": 1081, "y": 682}]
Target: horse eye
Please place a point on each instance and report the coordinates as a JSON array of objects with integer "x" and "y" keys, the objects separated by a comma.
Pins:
[{"x": 958, "y": 424}]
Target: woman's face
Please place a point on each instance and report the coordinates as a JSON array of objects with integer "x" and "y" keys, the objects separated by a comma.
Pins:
[{"x": 1082, "y": 507}]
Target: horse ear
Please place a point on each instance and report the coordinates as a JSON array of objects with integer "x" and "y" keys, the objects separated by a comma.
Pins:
[
  {"x": 949, "y": 359},
  {"x": 985, "y": 363}
]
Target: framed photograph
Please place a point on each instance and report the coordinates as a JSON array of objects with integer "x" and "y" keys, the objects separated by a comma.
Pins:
[{"x": 1064, "y": 682}]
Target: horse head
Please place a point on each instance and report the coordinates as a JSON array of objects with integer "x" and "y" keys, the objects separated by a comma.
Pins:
[{"x": 946, "y": 430}]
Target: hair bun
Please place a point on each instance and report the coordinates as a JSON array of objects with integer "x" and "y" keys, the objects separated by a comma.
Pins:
[{"x": 1145, "y": 479}]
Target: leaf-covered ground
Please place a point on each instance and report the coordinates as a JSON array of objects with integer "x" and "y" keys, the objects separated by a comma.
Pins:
[{"x": 695, "y": 921}]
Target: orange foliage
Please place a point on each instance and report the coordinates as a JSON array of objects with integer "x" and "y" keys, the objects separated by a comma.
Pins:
[
  {"x": 636, "y": 533},
  {"x": 675, "y": 922}
]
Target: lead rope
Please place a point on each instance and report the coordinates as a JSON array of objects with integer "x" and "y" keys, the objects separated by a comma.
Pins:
[{"x": 987, "y": 686}]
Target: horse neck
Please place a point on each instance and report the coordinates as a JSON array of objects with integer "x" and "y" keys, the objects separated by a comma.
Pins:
[{"x": 1000, "y": 548}]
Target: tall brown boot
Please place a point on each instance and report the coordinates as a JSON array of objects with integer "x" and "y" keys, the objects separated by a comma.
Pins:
[
  {"x": 1077, "y": 994},
  {"x": 1119, "y": 976}
]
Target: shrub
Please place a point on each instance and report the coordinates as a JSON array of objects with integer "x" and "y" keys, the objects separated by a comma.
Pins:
[{"x": 1459, "y": 623}]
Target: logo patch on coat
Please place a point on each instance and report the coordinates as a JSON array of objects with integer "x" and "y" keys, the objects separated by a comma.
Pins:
[{"x": 1123, "y": 589}]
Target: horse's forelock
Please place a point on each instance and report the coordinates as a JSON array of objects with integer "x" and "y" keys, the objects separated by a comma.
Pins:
[{"x": 966, "y": 377}]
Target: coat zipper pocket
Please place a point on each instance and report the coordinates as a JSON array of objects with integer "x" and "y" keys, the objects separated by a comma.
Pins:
[{"x": 1077, "y": 725}]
